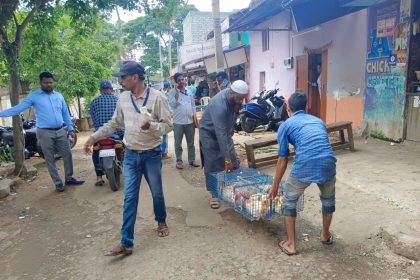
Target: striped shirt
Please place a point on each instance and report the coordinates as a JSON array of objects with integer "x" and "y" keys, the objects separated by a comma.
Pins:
[
  {"x": 101, "y": 110},
  {"x": 314, "y": 159},
  {"x": 126, "y": 116}
]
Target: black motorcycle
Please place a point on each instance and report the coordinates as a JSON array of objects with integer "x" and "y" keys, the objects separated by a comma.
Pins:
[
  {"x": 111, "y": 154},
  {"x": 265, "y": 108},
  {"x": 32, "y": 145},
  {"x": 6, "y": 138}
]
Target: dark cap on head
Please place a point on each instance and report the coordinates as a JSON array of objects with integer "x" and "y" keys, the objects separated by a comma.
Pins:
[
  {"x": 130, "y": 67},
  {"x": 105, "y": 84}
]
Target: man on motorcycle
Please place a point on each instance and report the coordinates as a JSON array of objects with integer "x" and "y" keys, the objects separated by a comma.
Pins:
[
  {"x": 51, "y": 114},
  {"x": 216, "y": 130},
  {"x": 144, "y": 113},
  {"x": 101, "y": 110}
]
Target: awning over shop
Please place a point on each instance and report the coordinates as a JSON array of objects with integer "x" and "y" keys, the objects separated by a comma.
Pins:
[
  {"x": 306, "y": 13},
  {"x": 246, "y": 19},
  {"x": 359, "y": 3},
  {"x": 232, "y": 57}
]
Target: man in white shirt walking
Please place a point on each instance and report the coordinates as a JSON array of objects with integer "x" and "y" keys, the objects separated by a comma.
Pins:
[{"x": 182, "y": 104}]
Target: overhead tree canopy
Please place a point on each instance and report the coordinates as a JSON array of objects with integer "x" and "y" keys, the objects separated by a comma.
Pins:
[
  {"x": 160, "y": 21},
  {"x": 16, "y": 15}
]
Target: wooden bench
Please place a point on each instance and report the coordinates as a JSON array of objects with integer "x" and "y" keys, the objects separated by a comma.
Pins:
[{"x": 271, "y": 140}]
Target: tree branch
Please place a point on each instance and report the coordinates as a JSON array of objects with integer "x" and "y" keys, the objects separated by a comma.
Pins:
[
  {"x": 3, "y": 35},
  {"x": 16, "y": 21},
  {"x": 28, "y": 18}
]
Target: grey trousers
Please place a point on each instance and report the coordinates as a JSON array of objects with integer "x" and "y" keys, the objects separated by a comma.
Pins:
[
  {"x": 189, "y": 131},
  {"x": 52, "y": 142}
]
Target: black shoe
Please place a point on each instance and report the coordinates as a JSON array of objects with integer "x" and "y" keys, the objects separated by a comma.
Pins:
[
  {"x": 60, "y": 188},
  {"x": 74, "y": 181}
]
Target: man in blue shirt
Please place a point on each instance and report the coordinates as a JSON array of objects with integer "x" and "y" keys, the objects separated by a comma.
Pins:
[
  {"x": 53, "y": 124},
  {"x": 101, "y": 110},
  {"x": 314, "y": 163},
  {"x": 182, "y": 105}
]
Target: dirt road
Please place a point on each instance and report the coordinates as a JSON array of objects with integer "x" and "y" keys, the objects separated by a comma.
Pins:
[{"x": 47, "y": 235}]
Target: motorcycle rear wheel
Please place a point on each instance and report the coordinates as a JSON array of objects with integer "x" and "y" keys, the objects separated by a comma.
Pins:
[
  {"x": 113, "y": 175},
  {"x": 248, "y": 127}
]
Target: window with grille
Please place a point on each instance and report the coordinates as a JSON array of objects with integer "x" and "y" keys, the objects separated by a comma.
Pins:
[{"x": 265, "y": 35}]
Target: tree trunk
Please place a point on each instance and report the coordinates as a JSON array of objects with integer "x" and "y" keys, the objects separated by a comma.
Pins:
[
  {"x": 79, "y": 107},
  {"x": 15, "y": 90}
]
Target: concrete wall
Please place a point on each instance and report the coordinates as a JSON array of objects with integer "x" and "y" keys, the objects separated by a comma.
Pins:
[
  {"x": 346, "y": 61},
  {"x": 385, "y": 92},
  {"x": 197, "y": 25}
]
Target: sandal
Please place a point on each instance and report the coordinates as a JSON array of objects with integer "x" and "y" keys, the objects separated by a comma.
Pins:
[
  {"x": 163, "y": 230},
  {"x": 329, "y": 241},
  {"x": 119, "y": 250},
  {"x": 284, "y": 250},
  {"x": 99, "y": 183},
  {"x": 215, "y": 203},
  {"x": 179, "y": 165}
]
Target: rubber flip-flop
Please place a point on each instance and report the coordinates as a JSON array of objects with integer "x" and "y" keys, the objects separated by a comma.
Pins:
[
  {"x": 100, "y": 183},
  {"x": 284, "y": 250},
  {"x": 329, "y": 241},
  {"x": 215, "y": 203},
  {"x": 163, "y": 230},
  {"x": 119, "y": 250}
]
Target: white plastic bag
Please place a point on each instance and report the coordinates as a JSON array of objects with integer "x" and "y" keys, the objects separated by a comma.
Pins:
[{"x": 146, "y": 117}]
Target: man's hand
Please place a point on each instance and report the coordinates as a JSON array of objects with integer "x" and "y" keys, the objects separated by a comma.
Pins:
[
  {"x": 89, "y": 143},
  {"x": 272, "y": 192},
  {"x": 72, "y": 134},
  {"x": 145, "y": 126},
  {"x": 228, "y": 166}
]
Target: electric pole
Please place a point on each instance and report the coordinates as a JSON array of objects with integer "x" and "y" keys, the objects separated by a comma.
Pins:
[
  {"x": 161, "y": 64},
  {"x": 170, "y": 50},
  {"x": 218, "y": 36}
]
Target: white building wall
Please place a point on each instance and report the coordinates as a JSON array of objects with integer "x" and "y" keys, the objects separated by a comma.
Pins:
[{"x": 346, "y": 56}]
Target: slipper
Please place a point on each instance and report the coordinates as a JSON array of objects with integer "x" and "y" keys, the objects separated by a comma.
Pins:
[
  {"x": 329, "y": 241},
  {"x": 284, "y": 250},
  {"x": 163, "y": 230},
  {"x": 215, "y": 203},
  {"x": 100, "y": 183},
  {"x": 119, "y": 250},
  {"x": 179, "y": 165}
]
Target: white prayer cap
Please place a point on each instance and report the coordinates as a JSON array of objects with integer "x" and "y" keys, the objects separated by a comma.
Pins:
[{"x": 239, "y": 86}]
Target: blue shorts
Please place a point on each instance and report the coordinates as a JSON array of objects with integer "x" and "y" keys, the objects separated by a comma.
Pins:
[{"x": 294, "y": 188}]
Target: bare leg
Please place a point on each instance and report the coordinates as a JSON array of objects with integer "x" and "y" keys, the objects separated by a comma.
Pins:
[
  {"x": 326, "y": 222},
  {"x": 290, "y": 243}
]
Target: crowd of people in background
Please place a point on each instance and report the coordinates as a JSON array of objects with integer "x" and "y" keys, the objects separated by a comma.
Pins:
[{"x": 173, "y": 107}]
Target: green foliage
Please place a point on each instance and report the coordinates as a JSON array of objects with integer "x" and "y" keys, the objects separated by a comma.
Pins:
[
  {"x": 6, "y": 154},
  {"x": 379, "y": 135},
  {"x": 79, "y": 60},
  {"x": 162, "y": 19}
]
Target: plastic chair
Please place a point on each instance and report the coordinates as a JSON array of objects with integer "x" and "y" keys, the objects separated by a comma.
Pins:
[{"x": 204, "y": 100}]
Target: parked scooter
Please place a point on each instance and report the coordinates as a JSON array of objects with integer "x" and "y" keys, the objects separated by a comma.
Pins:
[
  {"x": 32, "y": 145},
  {"x": 265, "y": 108},
  {"x": 111, "y": 154},
  {"x": 30, "y": 127},
  {"x": 6, "y": 138}
]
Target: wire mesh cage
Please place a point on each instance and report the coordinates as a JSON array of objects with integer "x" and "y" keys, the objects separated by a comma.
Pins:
[
  {"x": 252, "y": 202},
  {"x": 246, "y": 190},
  {"x": 278, "y": 202},
  {"x": 222, "y": 184}
]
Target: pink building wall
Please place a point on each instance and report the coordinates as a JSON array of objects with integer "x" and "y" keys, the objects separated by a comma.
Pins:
[{"x": 346, "y": 61}]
